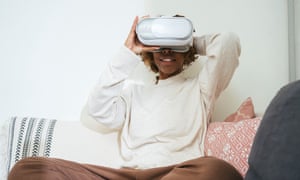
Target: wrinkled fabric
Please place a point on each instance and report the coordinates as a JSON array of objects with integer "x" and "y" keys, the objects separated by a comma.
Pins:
[
  {"x": 275, "y": 154},
  {"x": 163, "y": 123},
  {"x": 40, "y": 168}
]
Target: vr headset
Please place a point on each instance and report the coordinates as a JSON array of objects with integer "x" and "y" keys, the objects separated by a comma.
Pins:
[{"x": 175, "y": 33}]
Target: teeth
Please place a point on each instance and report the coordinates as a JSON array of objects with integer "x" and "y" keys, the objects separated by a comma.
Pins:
[{"x": 167, "y": 60}]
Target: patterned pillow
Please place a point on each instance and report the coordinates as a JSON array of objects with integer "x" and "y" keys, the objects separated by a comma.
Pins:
[
  {"x": 245, "y": 111},
  {"x": 232, "y": 141},
  {"x": 28, "y": 137}
]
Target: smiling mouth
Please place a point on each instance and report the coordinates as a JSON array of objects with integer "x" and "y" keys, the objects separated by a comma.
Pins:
[{"x": 167, "y": 59}]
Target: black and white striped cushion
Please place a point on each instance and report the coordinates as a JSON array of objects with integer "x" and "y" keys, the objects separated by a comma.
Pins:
[{"x": 28, "y": 137}]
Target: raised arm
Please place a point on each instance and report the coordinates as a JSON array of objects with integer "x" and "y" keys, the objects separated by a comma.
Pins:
[
  {"x": 107, "y": 102},
  {"x": 222, "y": 51}
]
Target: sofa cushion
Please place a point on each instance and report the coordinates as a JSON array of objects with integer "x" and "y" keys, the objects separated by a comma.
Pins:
[
  {"x": 26, "y": 137},
  {"x": 231, "y": 140},
  {"x": 245, "y": 111},
  {"x": 69, "y": 140}
]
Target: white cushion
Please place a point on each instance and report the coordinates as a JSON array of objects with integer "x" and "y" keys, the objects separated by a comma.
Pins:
[
  {"x": 27, "y": 136},
  {"x": 4, "y": 131}
]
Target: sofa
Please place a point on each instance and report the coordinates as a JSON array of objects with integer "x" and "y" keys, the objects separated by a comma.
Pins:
[{"x": 87, "y": 141}]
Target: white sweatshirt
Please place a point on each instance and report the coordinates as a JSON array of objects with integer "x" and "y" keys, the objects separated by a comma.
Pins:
[{"x": 165, "y": 123}]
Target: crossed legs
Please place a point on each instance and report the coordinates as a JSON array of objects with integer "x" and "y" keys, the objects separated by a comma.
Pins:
[{"x": 205, "y": 168}]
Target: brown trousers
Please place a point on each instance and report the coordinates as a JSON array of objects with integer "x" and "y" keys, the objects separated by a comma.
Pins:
[{"x": 40, "y": 168}]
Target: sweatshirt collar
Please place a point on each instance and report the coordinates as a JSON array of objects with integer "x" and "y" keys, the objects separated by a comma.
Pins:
[{"x": 176, "y": 78}]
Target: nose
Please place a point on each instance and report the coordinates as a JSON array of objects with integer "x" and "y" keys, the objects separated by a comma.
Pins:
[{"x": 166, "y": 51}]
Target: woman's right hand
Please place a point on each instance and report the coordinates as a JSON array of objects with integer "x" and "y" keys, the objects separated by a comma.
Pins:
[{"x": 133, "y": 43}]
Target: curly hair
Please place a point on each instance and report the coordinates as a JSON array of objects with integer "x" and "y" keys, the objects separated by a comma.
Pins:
[{"x": 189, "y": 57}]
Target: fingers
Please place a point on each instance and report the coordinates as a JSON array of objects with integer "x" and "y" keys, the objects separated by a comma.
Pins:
[
  {"x": 150, "y": 48},
  {"x": 133, "y": 43},
  {"x": 132, "y": 31},
  {"x": 146, "y": 16},
  {"x": 130, "y": 41},
  {"x": 142, "y": 48}
]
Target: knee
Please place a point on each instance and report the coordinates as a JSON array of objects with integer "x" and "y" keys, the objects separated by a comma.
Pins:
[
  {"x": 275, "y": 150},
  {"x": 221, "y": 169},
  {"x": 29, "y": 168},
  {"x": 289, "y": 97},
  {"x": 211, "y": 168},
  {"x": 283, "y": 112}
]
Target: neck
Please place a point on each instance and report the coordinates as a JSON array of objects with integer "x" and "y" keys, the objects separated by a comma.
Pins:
[{"x": 163, "y": 76}]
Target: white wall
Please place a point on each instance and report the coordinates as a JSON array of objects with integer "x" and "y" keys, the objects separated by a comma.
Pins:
[
  {"x": 52, "y": 52},
  {"x": 297, "y": 37},
  {"x": 262, "y": 27}
]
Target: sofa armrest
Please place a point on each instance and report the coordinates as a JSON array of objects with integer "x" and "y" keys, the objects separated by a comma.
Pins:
[
  {"x": 70, "y": 140},
  {"x": 3, "y": 149}
]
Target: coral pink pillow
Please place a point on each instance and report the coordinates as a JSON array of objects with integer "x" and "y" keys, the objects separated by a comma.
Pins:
[
  {"x": 231, "y": 141},
  {"x": 245, "y": 111}
]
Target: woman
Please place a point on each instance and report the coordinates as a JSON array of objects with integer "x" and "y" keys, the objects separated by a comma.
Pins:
[{"x": 162, "y": 122}]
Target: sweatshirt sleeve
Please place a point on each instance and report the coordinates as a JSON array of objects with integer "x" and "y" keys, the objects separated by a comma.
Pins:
[
  {"x": 106, "y": 103},
  {"x": 222, "y": 51}
]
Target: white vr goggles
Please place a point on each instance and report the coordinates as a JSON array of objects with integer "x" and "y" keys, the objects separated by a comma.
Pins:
[{"x": 175, "y": 33}]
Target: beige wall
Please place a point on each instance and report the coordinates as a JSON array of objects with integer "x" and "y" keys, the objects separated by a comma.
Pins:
[{"x": 262, "y": 27}]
